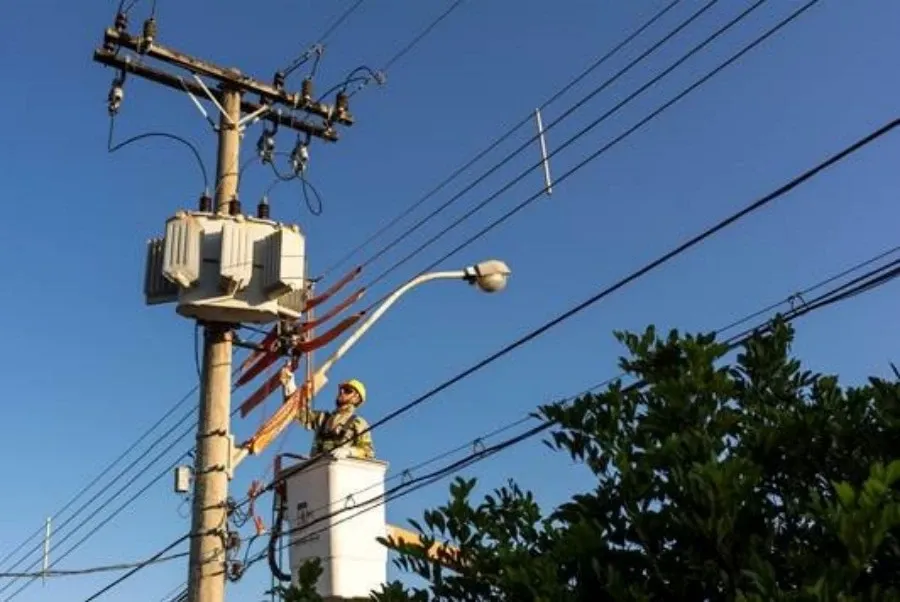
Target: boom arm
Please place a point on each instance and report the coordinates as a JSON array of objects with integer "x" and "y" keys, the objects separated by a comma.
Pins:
[{"x": 442, "y": 553}]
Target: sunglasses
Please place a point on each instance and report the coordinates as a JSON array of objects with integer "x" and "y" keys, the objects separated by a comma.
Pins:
[{"x": 347, "y": 390}]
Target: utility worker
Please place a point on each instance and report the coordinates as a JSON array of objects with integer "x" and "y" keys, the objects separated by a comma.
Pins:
[{"x": 342, "y": 425}]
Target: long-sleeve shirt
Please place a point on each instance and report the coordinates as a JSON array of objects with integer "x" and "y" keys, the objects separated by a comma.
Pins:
[{"x": 331, "y": 429}]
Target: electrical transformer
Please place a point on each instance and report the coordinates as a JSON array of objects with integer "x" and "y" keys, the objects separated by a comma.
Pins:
[{"x": 227, "y": 268}]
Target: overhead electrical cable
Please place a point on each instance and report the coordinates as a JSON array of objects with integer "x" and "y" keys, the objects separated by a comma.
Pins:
[
  {"x": 865, "y": 283},
  {"x": 146, "y": 563},
  {"x": 313, "y": 49},
  {"x": 184, "y": 435},
  {"x": 497, "y": 142},
  {"x": 637, "y": 274},
  {"x": 415, "y": 41},
  {"x": 874, "y": 278},
  {"x": 100, "y": 493},
  {"x": 40, "y": 531},
  {"x": 112, "y": 148},
  {"x": 339, "y": 21},
  {"x": 108, "y": 568},
  {"x": 593, "y": 156}
]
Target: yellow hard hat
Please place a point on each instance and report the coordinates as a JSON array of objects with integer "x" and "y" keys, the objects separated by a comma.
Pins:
[{"x": 358, "y": 387}]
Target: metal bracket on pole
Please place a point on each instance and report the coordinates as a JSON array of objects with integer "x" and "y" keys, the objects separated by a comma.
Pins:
[
  {"x": 199, "y": 106},
  {"x": 214, "y": 100},
  {"x": 548, "y": 185},
  {"x": 254, "y": 116},
  {"x": 241, "y": 124}
]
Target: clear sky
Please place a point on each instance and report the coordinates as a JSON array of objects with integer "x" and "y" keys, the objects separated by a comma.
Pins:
[{"x": 87, "y": 367}]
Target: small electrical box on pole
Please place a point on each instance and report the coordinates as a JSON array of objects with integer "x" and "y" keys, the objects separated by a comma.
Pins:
[{"x": 182, "y": 479}]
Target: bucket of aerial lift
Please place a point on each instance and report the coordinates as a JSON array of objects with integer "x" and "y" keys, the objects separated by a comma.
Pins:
[{"x": 335, "y": 512}]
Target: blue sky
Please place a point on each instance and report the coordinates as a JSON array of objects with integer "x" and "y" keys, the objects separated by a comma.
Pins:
[{"x": 87, "y": 367}]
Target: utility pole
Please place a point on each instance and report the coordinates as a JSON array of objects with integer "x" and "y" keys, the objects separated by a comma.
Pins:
[
  {"x": 206, "y": 263},
  {"x": 206, "y": 581}
]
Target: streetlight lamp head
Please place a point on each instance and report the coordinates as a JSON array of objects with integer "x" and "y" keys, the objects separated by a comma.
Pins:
[{"x": 490, "y": 276}]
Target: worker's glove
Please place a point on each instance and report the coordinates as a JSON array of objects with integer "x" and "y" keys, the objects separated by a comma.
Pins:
[{"x": 286, "y": 376}]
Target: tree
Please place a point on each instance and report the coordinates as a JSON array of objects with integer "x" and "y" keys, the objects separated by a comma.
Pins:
[
  {"x": 749, "y": 481},
  {"x": 753, "y": 480}
]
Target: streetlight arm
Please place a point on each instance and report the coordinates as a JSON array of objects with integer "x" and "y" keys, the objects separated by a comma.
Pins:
[
  {"x": 392, "y": 298},
  {"x": 489, "y": 276}
]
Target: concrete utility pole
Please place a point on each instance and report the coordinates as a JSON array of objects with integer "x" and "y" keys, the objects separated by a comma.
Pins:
[
  {"x": 206, "y": 581},
  {"x": 204, "y": 249}
]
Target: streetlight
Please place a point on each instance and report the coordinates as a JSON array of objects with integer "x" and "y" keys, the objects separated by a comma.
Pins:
[{"x": 489, "y": 276}]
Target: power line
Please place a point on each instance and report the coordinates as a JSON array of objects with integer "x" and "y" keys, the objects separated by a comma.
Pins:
[
  {"x": 580, "y": 165},
  {"x": 867, "y": 282},
  {"x": 111, "y": 148},
  {"x": 789, "y": 301},
  {"x": 758, "y": 204},
  {"x": 378, "y": 76},
  {"x": 497, "y": 142},
  {"x": 103, "y": 523},
  {"x": 103, "y": 473},
  {"x": 428, "y": 29},
  {"x": 97, "y": 569},
  {"x": 634, "y": 276},
  {"x": 121, "y": 490},
  {"x": 99, "y": 493},
  {"x": 649, "y": 118},
  {"x": 136, "y": 569},
  {"x": 339, "y": 21},
  {"x": 609, "y": 81},
  {"x": 318, "y": 48},
  {"x": 873, "y": 279},
  {"x": 798, "y": 297}
]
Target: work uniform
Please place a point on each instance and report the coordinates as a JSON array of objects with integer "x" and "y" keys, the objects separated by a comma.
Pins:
[
  {"x": 340, "y": 428},
  {"x": 330, "y": 429}
]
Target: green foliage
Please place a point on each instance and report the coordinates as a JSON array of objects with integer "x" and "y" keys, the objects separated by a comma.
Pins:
[
  {"x": 305, "y": 590},
  {"x": 749, "y": 481}
]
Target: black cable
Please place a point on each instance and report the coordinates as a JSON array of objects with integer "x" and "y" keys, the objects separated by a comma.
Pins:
[
  {"x": 798, "y": 296},
  {"x": 339, "y": 21},
  {"x": 412, "y": 44},
  {"x": 102, "y": 474},
  {"x": 126, "y": 9},
  {"x": 307, "y": 186},
  {"x": 573, "y": 170},
  {"x": 116, "y": 512},
  {"x": 103, "y": 523},
  {"x": 405, "y": 50},
  {"x": 859, "y": 285},
  {"x": 605, "y": 292},
  {"x": 343, "y": 85},
  {"x": 113, "y": 148},
  {"x": 304, "y": 56},
  {"x": 96, "y": 496},
  {"x": 96, "y": 569},
  {"x": 113, "y": 584},
  {"x": 593, "y": 125},
  {"x": 634, "y": 62},
  {"x": 273, "y": 539},
  {"x": 459, "y": 171},
  {"x": 867, "y": 282}
]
